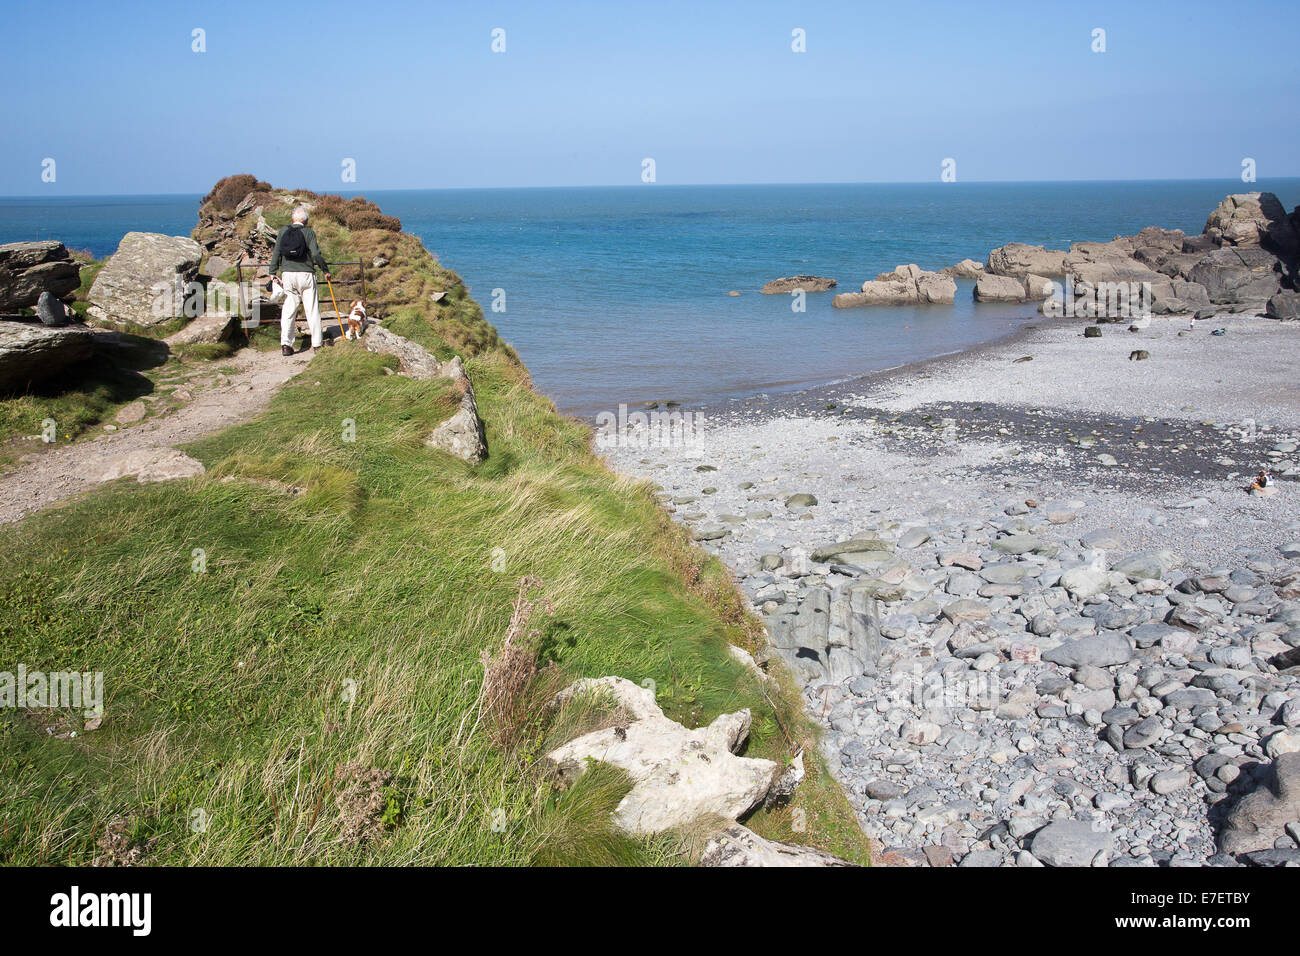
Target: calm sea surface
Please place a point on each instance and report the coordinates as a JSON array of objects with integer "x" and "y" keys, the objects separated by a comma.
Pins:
[{"x": 619, "y": 294}]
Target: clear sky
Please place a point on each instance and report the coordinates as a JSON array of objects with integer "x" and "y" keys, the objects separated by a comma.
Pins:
[{"x": 712, "y": 91}]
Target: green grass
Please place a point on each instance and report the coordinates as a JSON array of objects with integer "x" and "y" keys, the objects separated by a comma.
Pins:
[
  {"x": 329, "y": 562},
  {"x": 319, "y": 676}
]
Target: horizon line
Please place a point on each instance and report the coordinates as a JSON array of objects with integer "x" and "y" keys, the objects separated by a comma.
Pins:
[{"x": 916, "y": 182}]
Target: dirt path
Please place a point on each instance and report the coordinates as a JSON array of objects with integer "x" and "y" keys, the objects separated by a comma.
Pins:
[{"x": 212, "y": 399}]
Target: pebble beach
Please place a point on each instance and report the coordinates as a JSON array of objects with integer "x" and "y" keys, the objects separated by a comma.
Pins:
[{"x": 1026, "y": 587}]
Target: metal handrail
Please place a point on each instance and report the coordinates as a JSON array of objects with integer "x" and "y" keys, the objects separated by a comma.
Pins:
[{"x": 338, "y": 280}]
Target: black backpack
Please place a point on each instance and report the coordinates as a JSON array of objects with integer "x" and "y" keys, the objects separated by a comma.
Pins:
[{"x": 293, "y": 244}]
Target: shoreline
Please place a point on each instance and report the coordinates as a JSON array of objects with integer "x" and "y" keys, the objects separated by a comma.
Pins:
[{"x": 1006, "y": 500}]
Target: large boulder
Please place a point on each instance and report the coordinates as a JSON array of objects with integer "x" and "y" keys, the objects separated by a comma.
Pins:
[
  {"x": 1172, "y": 264},
  {"x": 31, "y": 353},
  {"x": 833, "y": 635},
  {"x": 906, "y": 285},
  {"x": 999, "y": 288},
  {"x": 1285, "y": 306},
  {"x": 932, "y": 288},
  {"x": 678, "y": 775},
  {"x": 796, "y": 283},
  {"x": 1245, "y": 274},
  {"x": 29, "y": 268},
  {"x": 1155, "y": 238},
  {"x": 1179, "y": 296},
  {"x": 1038, "y": 288},
  {"x": 966, "y": 269},
  {"x": 1106, "y": 262},
  {"x": 1260, "y": 817},
  {"x": 208, "y": 329},
  {"x": 1098, "y": 270},
  {"x": 462, "y": 434},
  {"x": 1019, "y": 260},
  {"x": 146, "y": 282},
  {"x": 1253, "y": 219}
]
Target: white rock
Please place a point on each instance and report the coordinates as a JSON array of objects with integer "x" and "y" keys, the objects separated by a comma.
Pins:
[{"x": 678, "y": 775}]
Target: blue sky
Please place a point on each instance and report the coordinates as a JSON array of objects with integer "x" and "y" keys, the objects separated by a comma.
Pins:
[{"x": 585, "y": 91}]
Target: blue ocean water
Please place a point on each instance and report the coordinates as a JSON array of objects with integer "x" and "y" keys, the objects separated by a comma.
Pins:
[{"x": 619, "y": 294}]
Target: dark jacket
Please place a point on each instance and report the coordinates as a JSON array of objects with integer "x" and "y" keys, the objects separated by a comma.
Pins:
[{"x": 294, "y": 265}]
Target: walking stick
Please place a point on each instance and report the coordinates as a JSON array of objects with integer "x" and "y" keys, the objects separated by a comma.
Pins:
[{"x": 338, "y": 316}]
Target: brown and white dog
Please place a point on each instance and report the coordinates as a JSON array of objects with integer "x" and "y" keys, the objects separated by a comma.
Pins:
[{"x": 356, "y": 320}]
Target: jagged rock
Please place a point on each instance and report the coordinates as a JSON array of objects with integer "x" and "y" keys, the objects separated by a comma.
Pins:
[
  {"x": 784, "y": 786},
  {"x": 1260, "y": 817},
  {"x": 147, "y": 465},
  {"x": 1175, "y": 264},
  {"x": 29, "y": 268},
  {"x": 1159, "y": 240},
  {"x": 1181, "y": 296},
  {"x": 208, "y": 328},
  {"x": 833, "y": 636},
  {"x": 740, "y": 846},
  {"x": 463, "y": 434},
  {"x": 1038, "y": 288},
  {"x": 215, "y": 265},
  {"x": 966, "y": 269},
  {"x": 1231, "y": 275},
  {"x": 906, "y": 285},
  {"x": 935, "y": 289},
  {"x": 793, "y": 283},
  {"x": 146, "y": 282},
  {"x": 999, "y": 288},
  {"x": 1253, "y": 219},
  {"x": 416, "y": 361},
  {"x": 678, "y": 775},
  {"x": 1018, "y": 260},
  {"x": 1285, "y": 306},
  {"x": 31, "y": 353}
]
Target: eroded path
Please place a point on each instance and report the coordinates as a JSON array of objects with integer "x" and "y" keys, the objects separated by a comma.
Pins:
[{"x": 202, "y": 401}]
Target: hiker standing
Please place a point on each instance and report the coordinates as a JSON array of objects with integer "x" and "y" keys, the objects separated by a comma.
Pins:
[{"x": 296, "y": 249}]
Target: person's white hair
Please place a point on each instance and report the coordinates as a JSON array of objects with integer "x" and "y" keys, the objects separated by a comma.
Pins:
[{"x": 300, "y": 214}]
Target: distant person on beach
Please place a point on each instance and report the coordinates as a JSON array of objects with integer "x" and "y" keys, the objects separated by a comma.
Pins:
[{"x": 297, "y": 250}]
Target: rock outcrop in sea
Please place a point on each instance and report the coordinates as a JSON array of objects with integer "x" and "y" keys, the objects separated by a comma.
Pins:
[{"x": 1245, "y": 257}]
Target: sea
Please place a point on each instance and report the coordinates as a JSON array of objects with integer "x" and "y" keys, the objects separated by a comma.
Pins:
[{"x": 619, "y": 295}]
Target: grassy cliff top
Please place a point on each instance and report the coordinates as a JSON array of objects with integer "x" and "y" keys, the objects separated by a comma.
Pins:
[{"x": 293, "y": 643}]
